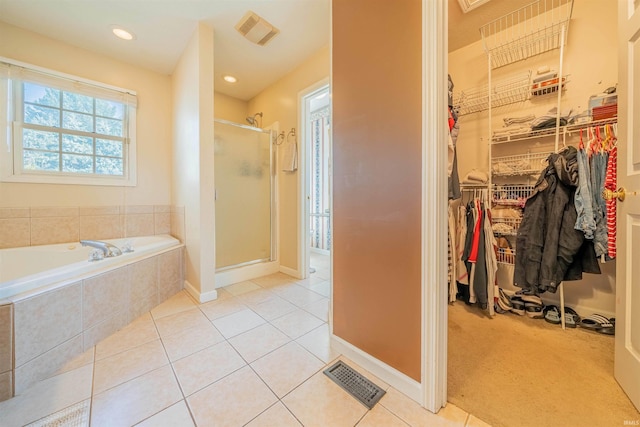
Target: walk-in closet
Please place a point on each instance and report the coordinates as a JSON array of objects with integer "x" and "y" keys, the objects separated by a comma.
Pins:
[{"x": 532, "y": 238}]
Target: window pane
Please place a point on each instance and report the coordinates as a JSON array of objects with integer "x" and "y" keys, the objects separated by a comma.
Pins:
[
  {"x": 108, "y": 166},
  {"x": 40, "y": 160},
  {"x": 113, "y": 110},
  {"x": 77, "y": 144},
  {"x": 44, "y": 116},
  {"x": 77, "y": 121},
  {"x": 105, "y": 147},
  {"x": 108, "y": 126},
  {"x": 42, "y": 95},
  {"x": 40, "y": 140},
  {"x": 77, "y": 164},
  {"x": 77, "y": 102}
]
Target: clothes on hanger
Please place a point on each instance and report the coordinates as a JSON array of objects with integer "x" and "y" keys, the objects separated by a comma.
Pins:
[{"x": 549, "y": 248}]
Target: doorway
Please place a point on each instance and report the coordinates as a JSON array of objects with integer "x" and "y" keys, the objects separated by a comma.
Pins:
[{"x": 315, "y": 212}]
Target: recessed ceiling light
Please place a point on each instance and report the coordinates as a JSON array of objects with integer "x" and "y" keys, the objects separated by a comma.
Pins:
[
  {"x": 229, "y": 79},
  {"x": 122, "y": 33}
]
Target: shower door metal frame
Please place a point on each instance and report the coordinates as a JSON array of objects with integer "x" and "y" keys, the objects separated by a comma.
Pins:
[{"x": 272, "y": 198}]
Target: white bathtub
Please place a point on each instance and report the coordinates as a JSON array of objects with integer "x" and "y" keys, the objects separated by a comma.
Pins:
[{"x": 26, "y": 270}]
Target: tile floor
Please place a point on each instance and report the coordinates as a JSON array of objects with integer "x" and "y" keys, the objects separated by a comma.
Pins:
[{"x": 220, "y": 364}]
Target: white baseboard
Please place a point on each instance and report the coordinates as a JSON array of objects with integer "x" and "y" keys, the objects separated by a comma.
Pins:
[
  {"x": 396, "y": 379},
  {"x": 201, "y": 298},
  {"x": 240, "y": 274},
  {"x": 290, "y": 272}
]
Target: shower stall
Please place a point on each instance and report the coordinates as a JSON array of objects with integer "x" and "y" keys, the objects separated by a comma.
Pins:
[{"x": 245, "y": 201}]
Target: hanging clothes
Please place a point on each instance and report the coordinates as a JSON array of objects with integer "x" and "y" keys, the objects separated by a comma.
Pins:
[
  {"x": 611, "y": 183},
  {"x": 550, "y": 249},
  {"x": 598, "y": 166},
  {"x": 583, "y": 199},
  {"x": 452, "y": 166}
]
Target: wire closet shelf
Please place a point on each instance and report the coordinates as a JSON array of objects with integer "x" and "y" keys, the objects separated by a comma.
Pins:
[
  {"x": 519, "y": 165},
  {"x": 531, "y": 30},
  {"x": 509, "y": 90}
]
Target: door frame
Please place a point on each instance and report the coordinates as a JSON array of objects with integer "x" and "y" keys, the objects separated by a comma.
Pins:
[
  {"x": 434, "y": 204},
  {"x": 304, "y": 178}
]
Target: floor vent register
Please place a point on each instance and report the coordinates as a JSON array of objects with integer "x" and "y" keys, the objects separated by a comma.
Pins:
[{"x": 355, "y": 384}]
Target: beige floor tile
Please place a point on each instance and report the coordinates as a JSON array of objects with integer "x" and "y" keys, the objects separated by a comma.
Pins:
[
  {"x": 474, "y": 421},
  {"x": 320, "y": 402},
  {"x": 309, "y": 281},
  {"x": 237, "y": 323},
  {"x": 176, "y": 415},
  {"x": 298, "y": 295},
  {"x": 181, "y": 322},
  {"x": 381, "y": 417},
  {"x": 47, "y": 397},
  {"x": 220, "y": 308},
  {"x": 232, "y": 401},
  {"x": 273, "y": 308},
  {"x": 223, "y": 294},
  {"x": 259, "y": 341},
  {"x": 296, "y": 323},
  {"x": 136, "y": 400},
  {"x": 318, "y": 260},
  {"x": 242, "y": 288},
  {"x": 276, "y": 416},
  {"x": 127, "y": 365},
  {"x": 453, "y": 413},
  {"x": 274, "y": 279},
  {"x": 317, "y": 342},
  {"x": 320, "y": 309},
  {"x": 255, "y": 297},
  {"x": 323, "y": 273},
  {"x": 286, "y": 368},
  {"x": 206, "y": 367},
  {"x": 323, "y": 288},
  {"x": 412, "y": 413},
  {"x": 140, "y": 331},
  {"x": 190, "y": 341},
  {"x": 179, "y": 302}
]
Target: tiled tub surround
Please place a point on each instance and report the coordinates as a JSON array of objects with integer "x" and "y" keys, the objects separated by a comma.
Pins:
[
  {"x": 52, "y": 327},
  {"x": 24, "y": 226}
]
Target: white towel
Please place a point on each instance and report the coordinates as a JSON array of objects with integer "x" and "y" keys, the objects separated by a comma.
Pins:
[{"x": 290, "y": 157}]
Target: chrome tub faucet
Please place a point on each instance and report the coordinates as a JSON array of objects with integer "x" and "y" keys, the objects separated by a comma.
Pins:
[{"x": 107, "y": 249}]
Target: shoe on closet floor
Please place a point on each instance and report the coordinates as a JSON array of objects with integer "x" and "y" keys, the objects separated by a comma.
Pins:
[
  {"x": 552, "y": 314},
  {"x": 599, "y": 323},
  {"x": 571, "y": 317},
  {"x": 517, "y": 305}
]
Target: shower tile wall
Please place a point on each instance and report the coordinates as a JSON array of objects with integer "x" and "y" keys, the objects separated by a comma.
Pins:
[{"x": 21, "y": 227}]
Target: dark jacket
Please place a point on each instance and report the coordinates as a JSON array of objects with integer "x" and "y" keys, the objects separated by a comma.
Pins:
[{"x": 548, "y": 247}]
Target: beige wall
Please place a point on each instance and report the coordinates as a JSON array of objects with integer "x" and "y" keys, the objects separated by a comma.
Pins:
[
  {"x": 377, "y": 145},
  {"x": 153, "y": 124},
  {"x": 193, "y": 185},
  {"x": 279, "y": 103},
  {"x": 590, "y": 60},
  {"x": 230, "y": 108}
]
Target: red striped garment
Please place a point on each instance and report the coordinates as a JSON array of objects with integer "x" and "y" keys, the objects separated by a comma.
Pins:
[{"x": 610, "y": 183}]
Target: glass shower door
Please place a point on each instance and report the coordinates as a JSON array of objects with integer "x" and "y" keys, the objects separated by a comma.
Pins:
[{"x": 244, "y": 199}]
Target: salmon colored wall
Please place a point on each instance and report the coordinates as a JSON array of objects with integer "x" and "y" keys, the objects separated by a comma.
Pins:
[{"x": 377, "y": 142}]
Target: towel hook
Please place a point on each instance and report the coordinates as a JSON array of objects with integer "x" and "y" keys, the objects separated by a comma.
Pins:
[
  {"x": 280, "y": 138},
  {"x": 292, "y": 132}
]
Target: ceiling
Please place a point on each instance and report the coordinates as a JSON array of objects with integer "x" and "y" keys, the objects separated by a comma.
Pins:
[{"x": 163, "y": 28}]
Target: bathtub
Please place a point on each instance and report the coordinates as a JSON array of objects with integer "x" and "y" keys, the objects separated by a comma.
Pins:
[
  {"x": 62, "y": 304},
  {"x": 26, "y": 270}
]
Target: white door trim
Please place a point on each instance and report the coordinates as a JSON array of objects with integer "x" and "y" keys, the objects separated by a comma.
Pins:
[
  {"x": 434, "y": 204},
  {"x": 304, "y": 178}
]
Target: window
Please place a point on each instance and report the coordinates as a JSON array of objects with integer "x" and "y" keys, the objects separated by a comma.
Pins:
[{"x": 62, "y": 129}]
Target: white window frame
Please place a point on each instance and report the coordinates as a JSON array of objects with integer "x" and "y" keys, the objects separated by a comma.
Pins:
[{"x": 13, "y": 73}]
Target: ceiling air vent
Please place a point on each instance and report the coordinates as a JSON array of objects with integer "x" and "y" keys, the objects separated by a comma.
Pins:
[{"x": 256, "y": 29}]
